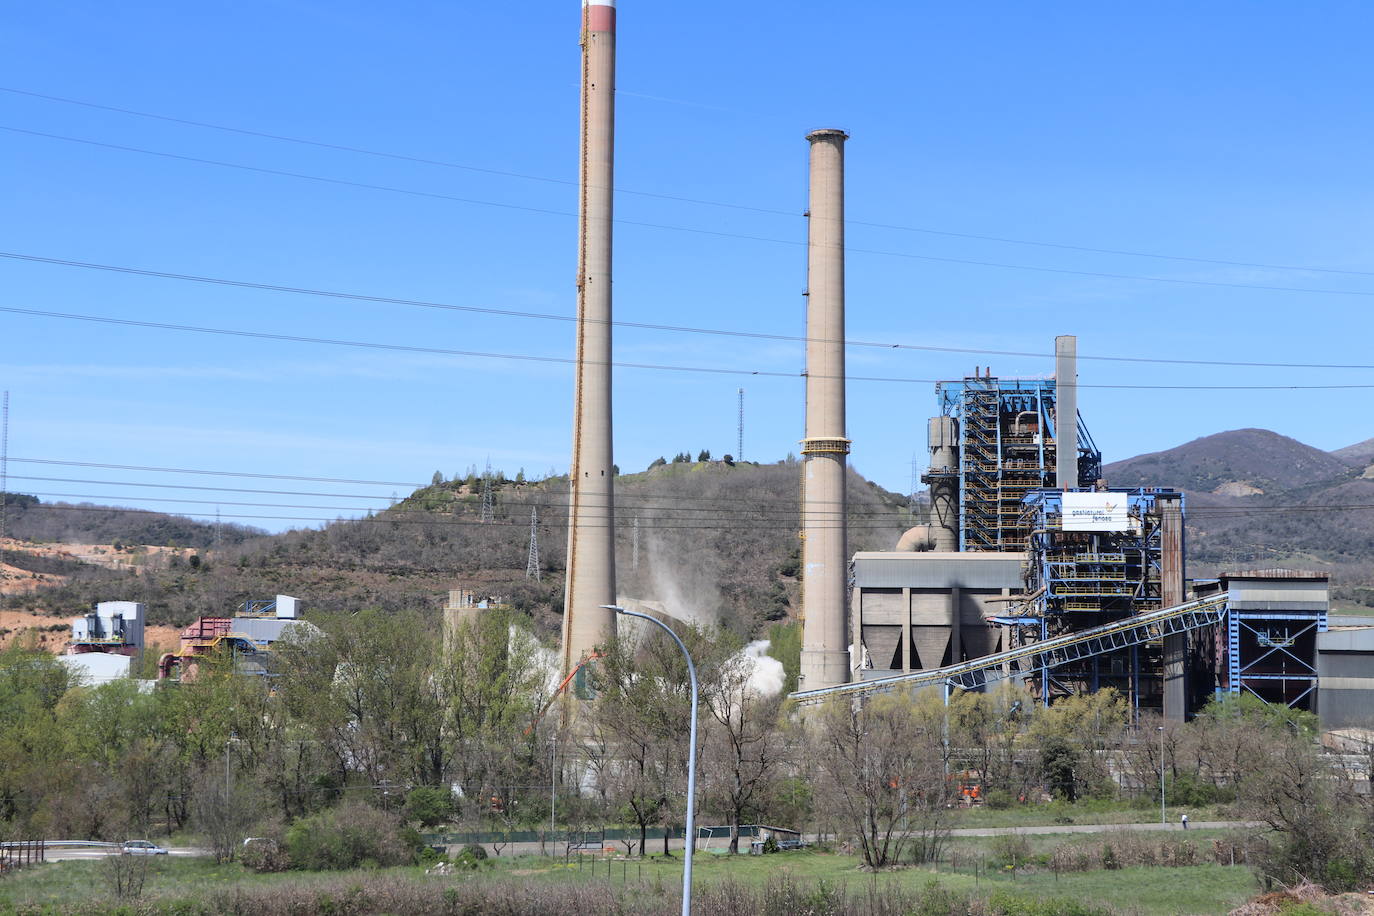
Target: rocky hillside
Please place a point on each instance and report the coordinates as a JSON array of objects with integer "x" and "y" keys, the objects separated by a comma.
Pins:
[
  {"x": 1241, "y": 462},
  {"x": 29, "y": 519},
  {"x": 1359, "y": 455},
  {"x": 1256, "y": 498},
  {"x": 715, "y": 541}
]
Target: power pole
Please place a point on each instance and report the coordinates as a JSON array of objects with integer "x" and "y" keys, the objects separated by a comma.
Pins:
[
  {"x": 532, "y": 564},
  {"x": 634, "y": 542},
  {"x": 915, "y": 477},
  {"x": 739, "y": 443},
  {"x": 487, "y": 513}
]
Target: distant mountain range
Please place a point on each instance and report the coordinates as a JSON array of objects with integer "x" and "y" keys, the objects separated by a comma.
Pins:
[{"x": 1256, "y": 498}]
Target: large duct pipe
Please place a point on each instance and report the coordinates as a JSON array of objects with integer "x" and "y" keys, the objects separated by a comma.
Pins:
[
  {"x": 824, "y": 659},
  {"x": 1172, "y": 578},
  {"x": 943, "y": 478},
  {"x": 1066, "y": 412},
  {"x": 591, "y": 530}
]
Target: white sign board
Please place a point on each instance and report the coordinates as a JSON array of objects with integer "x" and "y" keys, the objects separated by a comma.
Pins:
[{"x": 1095, "y": 512}]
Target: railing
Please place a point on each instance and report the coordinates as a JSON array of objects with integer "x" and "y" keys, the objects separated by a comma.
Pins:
[{"x": 22, "y": 852}]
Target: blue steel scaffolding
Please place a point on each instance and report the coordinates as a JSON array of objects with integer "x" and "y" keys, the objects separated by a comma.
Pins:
[
  {"x": 1006, "y": 449},
  {"x": 1077, "y": 580}
]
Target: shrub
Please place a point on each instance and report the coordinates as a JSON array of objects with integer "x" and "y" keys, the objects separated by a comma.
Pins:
[
  {"x": 263, "y": 854},
  {"x": 471, "y": 856},
  {"x": 349, "y": 836},
  {"x": 1011, "y": 849},
  {"x": 429, "y": 806}
]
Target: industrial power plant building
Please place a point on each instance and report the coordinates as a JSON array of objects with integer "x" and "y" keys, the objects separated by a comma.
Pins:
[{"x": 1061, "y": 590}]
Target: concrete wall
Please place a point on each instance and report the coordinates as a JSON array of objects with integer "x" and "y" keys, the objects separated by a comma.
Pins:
[
  {"x": 1345, "y": 671},
  {"x": 915, "y": 611}
]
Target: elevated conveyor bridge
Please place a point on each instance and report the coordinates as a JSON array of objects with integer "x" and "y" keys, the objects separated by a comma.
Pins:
[{"x": 1046, "y": 655}]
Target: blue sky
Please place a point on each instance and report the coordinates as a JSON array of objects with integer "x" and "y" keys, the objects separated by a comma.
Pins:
[{"x": 1234, "y": 132}]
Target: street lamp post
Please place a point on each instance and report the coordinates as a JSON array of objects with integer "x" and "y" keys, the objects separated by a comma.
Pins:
[
  {"x": 1162, "y": 816},
  {"x": 691, "y": 758},
  {"x": 553, "y": 791}
]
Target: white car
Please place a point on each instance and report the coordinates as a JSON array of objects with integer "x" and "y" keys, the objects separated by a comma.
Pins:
[{"x": 142, "y": 848}]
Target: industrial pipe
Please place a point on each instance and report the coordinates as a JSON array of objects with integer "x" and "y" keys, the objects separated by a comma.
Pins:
[{"x": 1066, "y": 412}]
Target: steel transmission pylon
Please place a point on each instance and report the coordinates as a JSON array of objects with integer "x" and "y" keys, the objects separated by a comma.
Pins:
[
  {"x": 487, "y": 504},
  {"x": 532, "y": 564},
  {"x": 739, "y": 441}
]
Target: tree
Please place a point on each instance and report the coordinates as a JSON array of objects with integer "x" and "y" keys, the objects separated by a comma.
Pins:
[
  {"x": 437, "y": 479},
  {"x": 223, "y": 812},
  {"x": 1074, "y": 735},
  {"x": 881, "y": 772},
  {"x": 640, "y": 722},
  {"x": 744, "y": 750},
  {"x": 983, "y": 730},
  {"x": 704, "y": 455},
  {"x": 429, "y": 806},
  {"x": 1319, "y": 823},
  {"x": 629, "y": 737}
]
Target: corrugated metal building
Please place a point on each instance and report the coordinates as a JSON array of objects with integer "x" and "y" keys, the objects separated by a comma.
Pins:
[{"x": 1345, "y": 672}]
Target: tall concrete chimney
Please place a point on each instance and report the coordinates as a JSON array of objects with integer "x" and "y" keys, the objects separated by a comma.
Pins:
[
  {"x": 591, "y": 520},
  {"x": 1066, "y": 412},
  {"x": 825, "y": 556}
]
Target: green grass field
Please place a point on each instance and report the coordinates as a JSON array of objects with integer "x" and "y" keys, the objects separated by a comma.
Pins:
[{"x": 1202, "y": 889}]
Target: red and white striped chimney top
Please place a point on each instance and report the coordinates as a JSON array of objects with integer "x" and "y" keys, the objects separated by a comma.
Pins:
[{"x": 600, "y": 15}]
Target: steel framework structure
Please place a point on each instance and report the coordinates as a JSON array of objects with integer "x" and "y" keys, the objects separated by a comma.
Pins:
[
  {"x": 1045, "y": 656},
  {"x": 1261, "y": 659},
  {"x": 1081, "y": 579},
  {"x": 1006, "y": 449}
]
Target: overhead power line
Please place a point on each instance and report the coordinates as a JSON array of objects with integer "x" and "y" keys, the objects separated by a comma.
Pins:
[
  {"x": 433, "y": 195},
  {"x": 641, "y": 325},
  {"x": 252, "y": 474},
  {"x": 565, "y": 360},
  {"x": 925, "y": 230},
  {"x": 419, "y": 517},
  {"x": 620, "y": 495}
]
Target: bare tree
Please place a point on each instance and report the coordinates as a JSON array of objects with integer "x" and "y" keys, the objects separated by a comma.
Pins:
[
  {"x": 743, "y": 748},
  {"x": 224, "y": 812},
  {"x": 881, "y": 768},
  {"x": 629, "y": 731}
]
